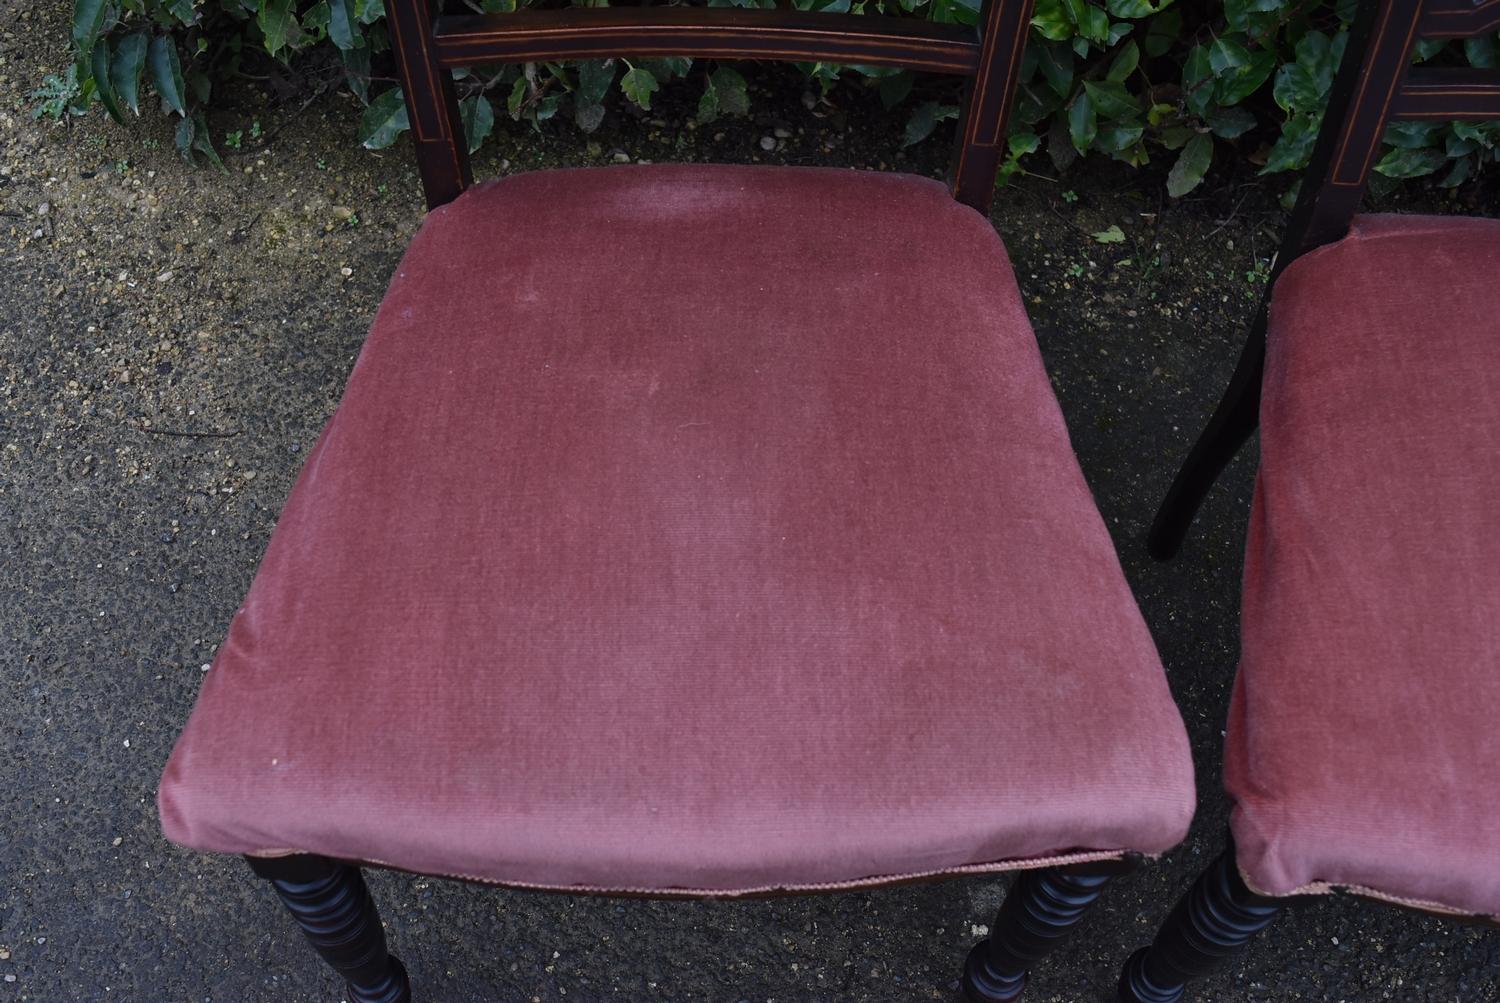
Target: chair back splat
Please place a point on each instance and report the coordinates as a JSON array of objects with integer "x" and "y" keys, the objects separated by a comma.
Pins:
[{"x": 428, "y": 49}]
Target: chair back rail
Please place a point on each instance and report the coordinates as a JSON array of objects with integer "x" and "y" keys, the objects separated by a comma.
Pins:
[{"x": 429, "y": 48}]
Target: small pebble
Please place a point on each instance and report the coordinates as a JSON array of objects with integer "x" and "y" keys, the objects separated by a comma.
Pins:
[
  {"x": 768, "y": 143},
  {"x": 621, "y": 157},
  {"x": 783, "y": 133},
  {"x": 346, "y": 271},
  {"x": 165, "y": 276}
]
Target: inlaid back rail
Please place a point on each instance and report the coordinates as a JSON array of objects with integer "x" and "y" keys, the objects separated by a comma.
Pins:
[{"x": 429, "y": 47}]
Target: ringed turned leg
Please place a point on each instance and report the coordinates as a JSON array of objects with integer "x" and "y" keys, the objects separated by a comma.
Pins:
[
  {"x": 1213, "y": 921},
  {"x": 1041, "y": 910},
  {"x": 331, "y": 904}
]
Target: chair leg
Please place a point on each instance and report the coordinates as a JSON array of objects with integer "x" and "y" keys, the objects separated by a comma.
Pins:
[
  {"x": 1210, "y": 924},
  {"x": 1041, "y": 910},
  {"x": 333, "y": 907},
  {"x": 1233, "y": 422}
]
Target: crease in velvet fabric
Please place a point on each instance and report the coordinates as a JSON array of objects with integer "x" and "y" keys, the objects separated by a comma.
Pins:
[
  {"x": 1362, "y": 749},
  {"x": 753, "y": 556}
]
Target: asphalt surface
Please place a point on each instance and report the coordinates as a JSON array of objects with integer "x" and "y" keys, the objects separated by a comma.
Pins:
[{"x": 170, "y": 344}]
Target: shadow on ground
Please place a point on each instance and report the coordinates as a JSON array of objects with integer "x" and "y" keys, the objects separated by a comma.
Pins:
[{"x": 171, "y": 341}]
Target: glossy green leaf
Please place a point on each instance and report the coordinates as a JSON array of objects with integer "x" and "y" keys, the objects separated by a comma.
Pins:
[
  {"x": 1242, "y": 81},
  {"x": 1197, "y": 81},
  {"x": 1118, "y": 137},
  {"x": 733, "y": 93},
  {"x": 479, "y": 120},
  {"x": 1135, "y": 8},
  {"x": 1295, "y": 145},
  {"x": 88, "y": 25},
  {"x": 1191, "y": 165},
  {"x": 924, "y": 120},
  {"x": 1296, "y": 88},
  {"x": 1230, "y": 123},
  {"x": 639, "y": 84},
  {"x": 517, "y": 98},
  {"x": 1021, "y": 143},
  {"x": 99, "y": 63},
  {"x": 384, "y": 120},
  {"x": 277, "y": 20},
  {"x": 202, "y": 140},
  {"x": 895, "y": 88},
  {"x": 1413, "y": 135},
  {"x": 1055, "y": 63},
  {"x": 357, "y": 72},
  {"x": 1460, "y": 172},
  {"x": 1051, "y": 21},
  {"x": 166, "y": 73},
  {"x": 1226, "y": 54},
  {"x": 1482, "y": 51},
  {"x": 126, "y": 68},
  {"x": 1092, "y": 22},
  {"x": 343, "y": 29},
  {"x": 1125, "y": 62},
  {"x": 1400, "y": 163},
  {"x": 1112, "y": 100},
  {"x": 595, "y": 77},
  {"x": 1083, "y": 123}
]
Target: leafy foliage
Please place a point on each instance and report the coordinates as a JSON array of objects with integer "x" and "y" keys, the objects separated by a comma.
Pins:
[{"x": 1135, "y": 80}]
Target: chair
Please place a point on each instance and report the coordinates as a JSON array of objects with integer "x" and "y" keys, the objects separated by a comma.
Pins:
[
  {"x": 691, "y": 531},
  {"x": 1361, "y": 751}
]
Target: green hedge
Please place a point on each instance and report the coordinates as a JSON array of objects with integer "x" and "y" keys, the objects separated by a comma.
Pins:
[{"x": 1135, "y": 80}]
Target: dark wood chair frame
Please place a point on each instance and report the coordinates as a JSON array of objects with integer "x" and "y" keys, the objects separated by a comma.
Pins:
[
  {"x": 1375, "y": 85},
  {"x": 328, "y": 898}
]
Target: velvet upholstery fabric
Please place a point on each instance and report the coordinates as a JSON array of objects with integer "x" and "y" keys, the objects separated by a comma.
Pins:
[
  {"x": 690, "y": 528},
  {"x": 1364, "y": 736}
]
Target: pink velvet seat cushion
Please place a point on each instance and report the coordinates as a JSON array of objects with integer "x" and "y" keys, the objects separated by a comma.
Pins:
[
  {"x": 1364, "y": 738},
  {"x": 690, "y": 528}
]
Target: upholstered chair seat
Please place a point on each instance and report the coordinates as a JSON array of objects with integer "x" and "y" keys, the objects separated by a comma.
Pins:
[
  {"x": 706, "y": 529},
  {"x": 1364, "y": 738}
]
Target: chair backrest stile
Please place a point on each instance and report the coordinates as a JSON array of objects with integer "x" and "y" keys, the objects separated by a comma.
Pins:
[
  {"x": 1377, "y": 85},
  {"x": 428, "y": 49}
]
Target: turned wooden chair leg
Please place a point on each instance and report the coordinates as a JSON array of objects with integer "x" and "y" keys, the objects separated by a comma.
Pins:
[
  {"x": 1042, "y": 908},
  {"x": 333, "y": 907},
  {"x": 1213, "y": 921}
]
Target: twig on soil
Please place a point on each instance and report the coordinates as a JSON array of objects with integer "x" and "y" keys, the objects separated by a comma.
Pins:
[
  {"x": 1222, "y": 223},
  {"x": 192, "y": 435}
]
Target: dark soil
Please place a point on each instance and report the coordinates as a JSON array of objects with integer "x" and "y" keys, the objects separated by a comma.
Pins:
[{"x": 172, "y": 340}]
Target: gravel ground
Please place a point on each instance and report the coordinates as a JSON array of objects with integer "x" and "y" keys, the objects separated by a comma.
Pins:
[{"x": 172, "y": 340}]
